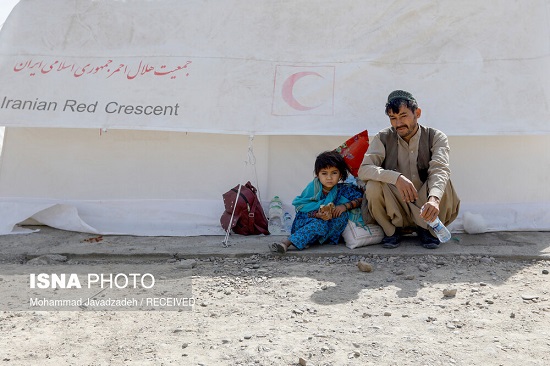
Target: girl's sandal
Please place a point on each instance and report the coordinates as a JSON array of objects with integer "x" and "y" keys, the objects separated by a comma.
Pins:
[{"x": 277, "y": 248}]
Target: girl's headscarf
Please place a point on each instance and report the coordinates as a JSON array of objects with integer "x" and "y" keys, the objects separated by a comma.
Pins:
[{"x": 310, "y": 200}]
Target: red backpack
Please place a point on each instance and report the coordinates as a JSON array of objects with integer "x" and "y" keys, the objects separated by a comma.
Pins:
[{"x": 249, "y": 217}]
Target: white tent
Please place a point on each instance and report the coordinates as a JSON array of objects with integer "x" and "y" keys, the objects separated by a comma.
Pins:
[{"x": 133, "y": 117}]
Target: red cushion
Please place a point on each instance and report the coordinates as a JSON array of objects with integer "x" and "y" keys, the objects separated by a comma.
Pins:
[{"x": 353, "y": 151}]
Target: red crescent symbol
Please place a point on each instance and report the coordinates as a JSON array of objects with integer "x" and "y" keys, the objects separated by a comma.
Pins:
[{"x": 288, "y": 88}]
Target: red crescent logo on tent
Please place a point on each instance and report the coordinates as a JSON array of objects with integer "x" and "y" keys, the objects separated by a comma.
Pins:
[{"x": 288, "y": 90}]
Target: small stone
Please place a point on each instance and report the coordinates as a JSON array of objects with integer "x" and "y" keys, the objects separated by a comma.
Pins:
[
  {"x": 409, "y": 277},
  {"x": 185, "y": 345},
  {"x": 529, "y": 297},
  {"x": 544, "y": 271},
  {"x": 186, "y": 263},
  {"x": 302, "y": 362},
  {"x": 423, "y": 267},
  {"x": 512, "y": 315},
  {"x": 387, "y": 313},
  {"x": 451, "y": 326},
  {"x": 364, "y": 266},
  {"x": 48, "y": 259},
  {"x": 247, "y": 336},
  {"x": 449, "y": 292}
]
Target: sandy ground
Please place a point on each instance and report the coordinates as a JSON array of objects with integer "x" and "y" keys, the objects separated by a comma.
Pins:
[{"x": 272, "y": 310}]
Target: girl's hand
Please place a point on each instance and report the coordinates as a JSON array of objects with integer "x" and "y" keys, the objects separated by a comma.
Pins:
[
  {"x": 338, "y": 210},
  {"x": 324, "y": 215},
  {"x": 325, "y": 211}
]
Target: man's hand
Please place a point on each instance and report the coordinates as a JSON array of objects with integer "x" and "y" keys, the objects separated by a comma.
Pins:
[
  {"x": 406, "y": 188},
  {"x": 430, "y": 210}
]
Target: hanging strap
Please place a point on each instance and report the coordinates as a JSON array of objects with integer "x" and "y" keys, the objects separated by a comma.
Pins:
[{"x": 250, "y": 160}]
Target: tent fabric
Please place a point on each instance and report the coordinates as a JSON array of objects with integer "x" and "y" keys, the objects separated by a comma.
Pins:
[
  {"x": 113, "y": 217},
  {"x": 133, "y": 117},
  {"x": 181, "y": 218},
  {"x": 276, "y": 67},
  {"x": 151, "y": 183}
]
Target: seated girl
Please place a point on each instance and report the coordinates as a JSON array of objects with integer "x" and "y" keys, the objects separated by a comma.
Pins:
[{"x": 325, "y": 205}]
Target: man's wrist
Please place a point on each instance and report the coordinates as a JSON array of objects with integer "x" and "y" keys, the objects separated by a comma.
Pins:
[{"x": 434, "y": 198}]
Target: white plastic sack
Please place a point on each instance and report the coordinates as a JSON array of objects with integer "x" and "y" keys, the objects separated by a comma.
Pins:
[{"x": 356, "y": 236}]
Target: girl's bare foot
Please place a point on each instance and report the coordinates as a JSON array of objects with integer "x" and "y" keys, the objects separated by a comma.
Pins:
[{"x": 280, "y": 247}]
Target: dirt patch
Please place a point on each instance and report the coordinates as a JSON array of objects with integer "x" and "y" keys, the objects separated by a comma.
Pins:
[{"x": 270, "y": 310}]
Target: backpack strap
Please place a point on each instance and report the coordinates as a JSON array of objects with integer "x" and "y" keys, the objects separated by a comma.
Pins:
[{"x": 256, "y": 221}]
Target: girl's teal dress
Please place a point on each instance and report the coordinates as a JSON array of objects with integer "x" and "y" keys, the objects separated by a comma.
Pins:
[{"x": 307, "y": 229}]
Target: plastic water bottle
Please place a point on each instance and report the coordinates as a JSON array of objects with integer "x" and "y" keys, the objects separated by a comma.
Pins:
[
  {"x": 275, "y": 216},
  {"x": 287, "y": 221},
  {"x": 443, "y": 234}
]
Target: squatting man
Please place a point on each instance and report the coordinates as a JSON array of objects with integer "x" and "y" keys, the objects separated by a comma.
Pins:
[{"x": 407, "y": 175}]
